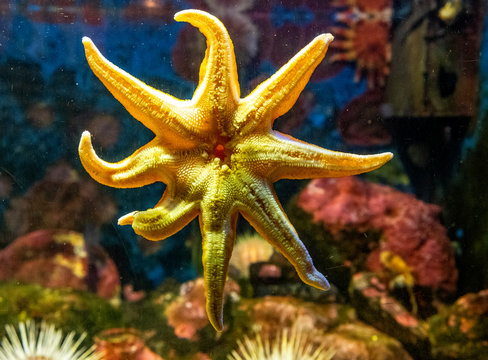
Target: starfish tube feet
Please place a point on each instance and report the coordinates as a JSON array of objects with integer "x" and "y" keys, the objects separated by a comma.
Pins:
[{"x": 164, "y": 220}]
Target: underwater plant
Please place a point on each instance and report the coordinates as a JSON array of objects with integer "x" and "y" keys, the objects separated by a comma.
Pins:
[
  {"x": 286, "y": 345},
  {"x": 219, "y": 156},
  {"x": 32, "y": 342}
]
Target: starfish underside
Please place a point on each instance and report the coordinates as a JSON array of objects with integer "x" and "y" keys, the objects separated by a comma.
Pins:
[{"x": 218, "y": 155}]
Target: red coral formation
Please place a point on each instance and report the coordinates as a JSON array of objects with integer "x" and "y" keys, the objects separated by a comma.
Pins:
[
  {"x": 59, "y": 259},
  {"x": 410, "y": 228},
  {"x": 61, "y": 200},
  {"x": 187, "y": 314}
]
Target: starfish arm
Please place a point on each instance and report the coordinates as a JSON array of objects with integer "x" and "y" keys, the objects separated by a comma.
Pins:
[
  {"x": 218, "y": 91},
  {"x": 163, "y": 114},
  {"x": 217, "y": 242},
  {"x": 218, "y": 226},
  {"x": 280, "y": 156},
  {"x": 167, "y": 218},
  {"x": 275, "y": 96},
  {"x": 145, "y": 166},
  {"x": 264, "y": 212}
]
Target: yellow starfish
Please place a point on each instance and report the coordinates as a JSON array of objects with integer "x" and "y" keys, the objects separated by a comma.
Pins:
[{"x": 218, "y": 155}]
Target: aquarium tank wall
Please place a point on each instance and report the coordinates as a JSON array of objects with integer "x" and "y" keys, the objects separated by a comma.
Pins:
[{"x": 243, "y": 179}]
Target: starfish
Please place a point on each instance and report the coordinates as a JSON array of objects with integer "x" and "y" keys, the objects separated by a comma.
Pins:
[{"x": 219, "y": 156}]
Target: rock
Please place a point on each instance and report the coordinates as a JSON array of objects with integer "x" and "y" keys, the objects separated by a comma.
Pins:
[
  {"x": 376, "y": 306},
  {"x": 279, "y": 278},
  {"x": 332, "y": 324},
  {"x": 123, "y": 344},
  {"x": 361, "y": 342},
  {"x": 273, "y": 313},
  {"x": 57, "y": 259},
  {"x": 61, "y": 200},
  {"x": 175, "y": 317},
  {"x": 460, "y": 331}
]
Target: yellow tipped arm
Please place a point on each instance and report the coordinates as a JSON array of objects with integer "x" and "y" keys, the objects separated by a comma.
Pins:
[
  {"x": 283, "y": 157},
  {"x": 275, "y": 96},
  {"x": 161, "y": 113},
  {"x": 218, "y": 85},
  {"x": 264, "y": 212},
  {"x": 141, "y": 168},
  {"x": 166, "y": 219},
  {"x": 218, "y": 239}
]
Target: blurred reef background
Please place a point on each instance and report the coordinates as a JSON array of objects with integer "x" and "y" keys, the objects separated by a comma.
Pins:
[{"x": 405, "y": 246}]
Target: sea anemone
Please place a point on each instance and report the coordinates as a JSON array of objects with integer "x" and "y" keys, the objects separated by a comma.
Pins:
[
  {"x": 286, "y": 346},
  {"x": 32, "y": 342},
  {"x": 249, "y": 249}
]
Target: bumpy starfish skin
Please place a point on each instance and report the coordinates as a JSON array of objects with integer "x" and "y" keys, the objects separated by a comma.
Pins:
[{"x": 218, "y": 155}]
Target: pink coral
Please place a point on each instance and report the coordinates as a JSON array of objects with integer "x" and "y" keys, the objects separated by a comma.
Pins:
[
  {"x": 186, "y": 314},
  {"x": 410, "y": 228}
]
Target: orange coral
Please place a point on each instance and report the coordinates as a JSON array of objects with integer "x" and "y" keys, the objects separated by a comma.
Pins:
[{"x": 365, "y": 38}]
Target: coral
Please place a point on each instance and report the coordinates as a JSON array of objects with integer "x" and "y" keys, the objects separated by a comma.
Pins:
[
  {"x": 460, "y": 330},
  {"x": 361, "y": 122},
  {"x": 43, "y": 342},
  {"x": 123, "y": 344},
  {"x": 409, "y": 227},
  {"x": 249, "y": 249},
  {"x": 186, "y": 314},
  {"x": 293, "y": 345},
  {"x": 365, "y": 38},
  {"x": 149, "y": 10},
  {"x": 61, "y": 200},
  {"x": 60, "y": 259}
]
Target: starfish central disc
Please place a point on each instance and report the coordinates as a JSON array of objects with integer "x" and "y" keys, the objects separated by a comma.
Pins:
[{"x": 218, "y": 155}]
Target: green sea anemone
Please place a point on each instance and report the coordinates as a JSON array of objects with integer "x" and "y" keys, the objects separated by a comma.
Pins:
[
  {"x": 288, "y": 345},
  {"x": 32, "y": 342}
]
